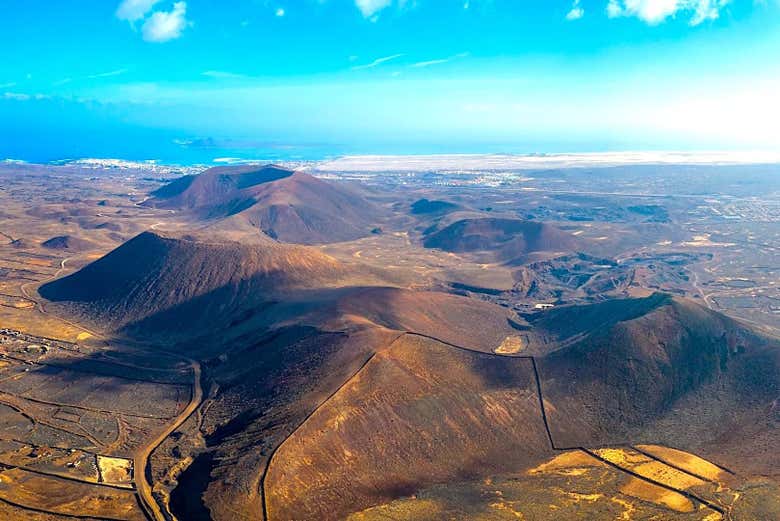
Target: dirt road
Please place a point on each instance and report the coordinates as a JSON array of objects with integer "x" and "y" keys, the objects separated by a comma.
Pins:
[{"x": 141, "y": 458}]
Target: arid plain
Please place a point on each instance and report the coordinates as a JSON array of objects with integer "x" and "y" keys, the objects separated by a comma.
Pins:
[{"x": 402, "y": 339}]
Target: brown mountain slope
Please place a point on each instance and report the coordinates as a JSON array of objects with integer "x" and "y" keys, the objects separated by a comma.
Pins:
[
  {"x": 671, "y": 372},
  {"x": 502, "y": 239},
  {"x": 165, "y": 281},
  {"x": 433, "y": 207},
  {"x": 451, "y": 318},
  {"x": 68, "y": 242},
  {"x": 418, "y": 413},
  {"x": 654, "y": 370},
  {"x": 568, "y": 325},
  {"x": 285, "y": 205},
  {"x": 218, "y": 191},
  {"x": 270, "y": 380}
]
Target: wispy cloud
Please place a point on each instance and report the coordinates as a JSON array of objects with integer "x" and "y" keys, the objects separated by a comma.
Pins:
[
  {"x": 16, "y": 96},
  {"x": 7, "y": 85},
  {"x": 378, "y": 61},
  {"x": 163, "y": 26},
  {"x": 576, "y": 11},
  {"x": 430, "y": 62},
  {"x": 655, "y": 12},
  {"x": 439, "y": 61},
  {"x": 108, "y": 74},
  {"x": 223, "y": 75},
  {"x": 134, "y": 10},
  {"x": 20, "y": 96}
]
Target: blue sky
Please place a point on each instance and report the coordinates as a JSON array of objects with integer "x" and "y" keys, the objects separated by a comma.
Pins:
[{"x": 146, "y": 78}]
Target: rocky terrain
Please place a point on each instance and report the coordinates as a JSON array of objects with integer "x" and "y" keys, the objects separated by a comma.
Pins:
[{"x": 262, "y": 349}]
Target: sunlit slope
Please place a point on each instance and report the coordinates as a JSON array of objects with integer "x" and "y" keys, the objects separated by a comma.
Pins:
[
  {"x": 286, "y": 205},
  {"x": 451, "y": 318},
  {"x": 419, "y": 413},
  {"x": 271, "y": 380}
]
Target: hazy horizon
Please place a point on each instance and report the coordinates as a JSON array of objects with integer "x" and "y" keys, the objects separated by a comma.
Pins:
[
  {"x": 414, "y": 161},
  {"x": 190, "y": 81}
]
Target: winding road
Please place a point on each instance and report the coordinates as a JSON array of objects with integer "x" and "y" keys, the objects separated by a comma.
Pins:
[
  {"x": 26, "y": 294},
  {"x": 141, "y": 479},
  {"x": 141, "y": 458}
]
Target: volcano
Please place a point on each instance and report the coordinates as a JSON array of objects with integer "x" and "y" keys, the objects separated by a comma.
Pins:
[{"x": 289, "y": 206}]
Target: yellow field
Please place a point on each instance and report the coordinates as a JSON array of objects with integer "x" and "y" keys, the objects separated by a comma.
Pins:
[
  {"x": 568, "y": 463},
  {"x": 510, "y": 346},
  {"x": 419, "y": 509},
  {"x": 660, "y": 471},
  {"x": 660, "y": 496},
  {"x": 117, "y": 471},
  {"x": 667, "y": 475},
  {"x": 686, "y": 461},
  {"x": 622, "y": 457},
  {"x": 38, "y": 324},
  {"x": 649, "y": 468},
  {"x": 68, "y": 498}
]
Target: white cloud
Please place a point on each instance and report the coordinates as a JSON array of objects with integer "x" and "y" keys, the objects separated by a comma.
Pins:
[
  {"x": 163, "y": 26},
  {"x": 107, "y": 74},
  {"x": 614, "y": 9},
  {"x": 376, "y": 62},
  {"x": 371, "y": 7},
  {"x": 656, "y": 11},
  {"x": 707, "y": 10},
  {"x": 576, "y": 12},
  {"x": 279, "y": 12},
  {"x": 134, "y": 10},
  {"x": 7, "y": 85}
]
